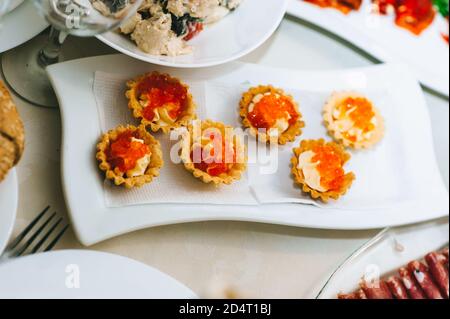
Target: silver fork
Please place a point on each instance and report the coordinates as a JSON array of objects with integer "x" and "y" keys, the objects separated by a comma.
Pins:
[{"x": 29, "y": 242}]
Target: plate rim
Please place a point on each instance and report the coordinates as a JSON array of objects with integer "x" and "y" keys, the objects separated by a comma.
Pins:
[
  {"x": 12, "y": 177},
  {"x": 154, "y": 59},
  {"x": 96, "y": 228},
  {"x": 86, "y": 253},
  {"x": 18, "y": 15},
  {"x": 297, "y": 9}
]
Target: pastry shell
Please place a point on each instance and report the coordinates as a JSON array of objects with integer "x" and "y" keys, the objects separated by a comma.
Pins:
[
  {"x": 12, "y": 134},
  {"x": 289, "y": 135},
  {"x": 118, "y": 177},
  {"x": 307, "y": 145},
  {"x": 187, "y": 115},
  {"x": 236, "y": 170},
  {"x": 335, "y": 98}
]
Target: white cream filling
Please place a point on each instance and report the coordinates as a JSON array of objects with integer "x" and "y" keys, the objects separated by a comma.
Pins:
[
  {"x": 310, "y": 172},
  {"x": 344, "y": 125},
  {"x": 141, "y": 164},
  {"x": 161, "y": 114}
]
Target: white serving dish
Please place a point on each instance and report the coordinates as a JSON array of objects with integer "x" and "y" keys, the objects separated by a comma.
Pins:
[
  {"x": 385, "y": 254},
  {"x": 83, "y": 186},
  {"x": 80, "y": 274},
  {"x": 427, "y": 55},
  {"x": 238, "y": 34}
]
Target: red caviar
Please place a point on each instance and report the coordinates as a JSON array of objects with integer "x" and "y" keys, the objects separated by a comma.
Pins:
[
  {"x": 330, "y": 167},
  {"x": 345, "y": 6},
  {"x": 160, "y": 90},
  {"x": 214, "y": 163},
  {"x": 123, "y": 153},
  {"x": 413, "y": 15},
  {"x": 271, "y": 108},
  {"x": 194, "y": 28},
  {"x": 361, "y": 116}
]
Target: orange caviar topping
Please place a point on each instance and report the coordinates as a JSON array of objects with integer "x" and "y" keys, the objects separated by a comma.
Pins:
[
  {"x": 361, "y": 115},
  {"x": 124, "y": 153},
  {"x": 341, "y": 5},
  {"x": 330, "y": 167},
  {"x": 215, "y": 163},
  {"x": 159, "y": 90},
  {"x": 271, "y": 108}
]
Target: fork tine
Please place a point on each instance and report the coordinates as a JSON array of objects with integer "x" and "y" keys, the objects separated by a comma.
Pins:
[
  {"x": 25, "y": 232},
  {"x": 46, "y": 236},
  {"x": 34, "y": 236},
  {"x": 56, "y": 240}
]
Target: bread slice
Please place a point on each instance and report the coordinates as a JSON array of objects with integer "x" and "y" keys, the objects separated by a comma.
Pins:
[{"x": 12, "y": 135}]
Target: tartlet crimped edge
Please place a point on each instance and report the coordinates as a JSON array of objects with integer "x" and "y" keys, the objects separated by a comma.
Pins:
[
  {"x": 299, "y": 179},
  {"x": 337, "y": 136},
  {"x": 184, "y": 119},
  {"x": 234, "y": 174},
  {"x": 289, "y": 135},
  {"x": 119, "y": 178}
]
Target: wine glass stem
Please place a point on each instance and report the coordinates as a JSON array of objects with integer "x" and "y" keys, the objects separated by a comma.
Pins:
[{"x": 51, "y": 51}]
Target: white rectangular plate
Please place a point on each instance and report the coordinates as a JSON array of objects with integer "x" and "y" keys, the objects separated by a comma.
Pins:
[
  {"x": 83, "y": 185},
  {"x": 427, "y": 54}
]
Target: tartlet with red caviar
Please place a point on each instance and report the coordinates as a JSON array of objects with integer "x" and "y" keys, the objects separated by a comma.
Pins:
[
  {"x": 160, "y": 102},
  {"x": 271, "y": 115},
  {"x": 213, "y": 153},
  {"x": 129, "y": 156},
  {"x": 353, "y": 120},
  {"x": 318, "y": 167}
]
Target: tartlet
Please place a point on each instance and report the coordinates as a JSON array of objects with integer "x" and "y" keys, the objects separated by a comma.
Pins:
[
  {"x": 160, "y": 102},
  {"x": 201, "y": 157},
  {"x": 129, "y": 156},
  {"x": 318, "y": 167},
  {"x": 353, "y": 120},
  {"x": 271, "y": 115}
]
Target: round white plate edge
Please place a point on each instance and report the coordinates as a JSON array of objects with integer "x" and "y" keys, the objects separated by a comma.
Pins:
[
  {"x": 155, "y": 60},
  {"x": 12, "y": 193},
  {"x": 90, "y": 254}
]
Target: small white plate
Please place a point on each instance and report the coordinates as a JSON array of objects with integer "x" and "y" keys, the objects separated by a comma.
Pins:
[
  {"x": 238, "y": 34},
  {"x": 9, "y": 195},
  {"x": 20, "y": 25},
  {"x": 381, "y": 255},
  {"x": 83, "y": 187},
  {"x": 427, "y": 54},
  {"x": 77, "y": 274}
]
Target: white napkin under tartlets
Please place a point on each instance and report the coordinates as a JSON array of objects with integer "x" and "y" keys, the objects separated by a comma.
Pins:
[{"x": 385, "y": 175}]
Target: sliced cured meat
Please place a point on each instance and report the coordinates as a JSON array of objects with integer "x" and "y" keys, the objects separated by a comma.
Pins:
[
  {"x": 423, "y": 277},
  {"x": 379, "y": 290},
  {"x": 351, "y": 296},
  {"x": 397, "y": 288},
  {"x": 412, "y": 287},
  {"x": 439, "y": 273}
]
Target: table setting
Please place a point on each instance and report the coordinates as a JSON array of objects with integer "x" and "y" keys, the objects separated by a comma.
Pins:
[{"x": 203, "y": 149}]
